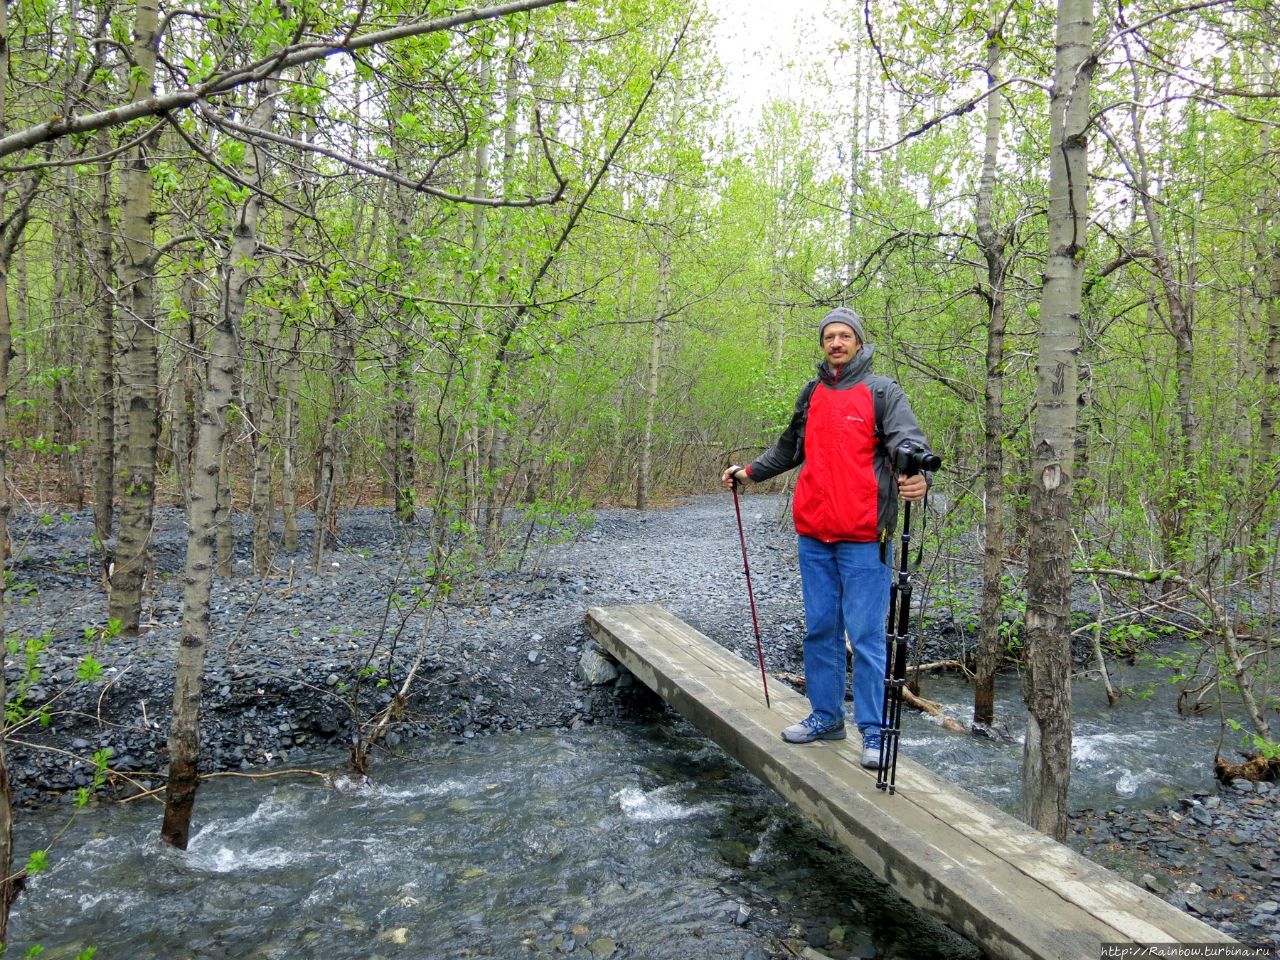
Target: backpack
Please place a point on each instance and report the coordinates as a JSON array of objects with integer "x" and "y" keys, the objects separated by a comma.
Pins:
[{"x": 878, "y": 391}]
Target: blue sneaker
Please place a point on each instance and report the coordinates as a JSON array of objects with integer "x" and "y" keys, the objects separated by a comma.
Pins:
[
  {"x": 871, "y": 744},
  {"x": 811, "y": 728}
]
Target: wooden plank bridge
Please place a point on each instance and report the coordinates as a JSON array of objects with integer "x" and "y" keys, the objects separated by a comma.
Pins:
[{"x": 1013, "y": 891}]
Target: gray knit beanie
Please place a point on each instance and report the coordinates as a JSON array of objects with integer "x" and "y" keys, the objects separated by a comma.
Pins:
[{"x": 843, "y": 315}]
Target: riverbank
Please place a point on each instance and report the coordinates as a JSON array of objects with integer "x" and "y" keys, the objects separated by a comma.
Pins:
[{"x": 300, "y": 659}]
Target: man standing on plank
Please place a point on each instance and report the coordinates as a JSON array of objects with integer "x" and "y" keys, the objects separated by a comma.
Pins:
[{"x": 846, "y": 422}]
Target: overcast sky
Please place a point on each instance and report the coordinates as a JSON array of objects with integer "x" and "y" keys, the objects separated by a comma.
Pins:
[
  {"x": 757, "y": 40},
  {"x": 758, "y": 43}
]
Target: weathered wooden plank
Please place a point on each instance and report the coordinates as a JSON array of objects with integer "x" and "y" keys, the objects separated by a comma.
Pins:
[{"x": 1008, "y": 888}]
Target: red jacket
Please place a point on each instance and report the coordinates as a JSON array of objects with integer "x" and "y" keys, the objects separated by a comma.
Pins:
[
  {"x": 837, "y": 495},
  {"x": 846, "y": 490}
]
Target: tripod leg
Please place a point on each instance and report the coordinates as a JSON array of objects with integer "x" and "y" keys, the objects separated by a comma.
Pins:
[{"x": 896, "y": 632}]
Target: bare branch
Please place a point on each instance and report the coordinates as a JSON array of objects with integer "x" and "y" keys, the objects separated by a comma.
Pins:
[
  {"x": 283, "y": 59},
  {"x": 958, "y": 111},
  {"x": 410, "y": 184}
]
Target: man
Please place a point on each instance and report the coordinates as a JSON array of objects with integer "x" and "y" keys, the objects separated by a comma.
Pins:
[{"x": 846, "y": 422}]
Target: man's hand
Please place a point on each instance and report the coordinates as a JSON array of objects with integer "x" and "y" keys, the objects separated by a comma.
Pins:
[
  {"x": 913, "y": 487},
  {"x": 734, "y": 474}
]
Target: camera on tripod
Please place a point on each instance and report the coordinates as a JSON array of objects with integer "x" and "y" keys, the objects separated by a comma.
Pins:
[{"x": 910, "y": 458}]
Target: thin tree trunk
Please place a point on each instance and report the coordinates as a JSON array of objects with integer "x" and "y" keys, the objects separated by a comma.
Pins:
[
  {"x": 139, "y": 362},
  {"x": 104, "y": 374},
  {"x": 1177, "y": 302},
  {"x": 204, "y": 514},
  {"x": 186, "y": 389},
  {"x": 333, "y": 439},
  {"x": 501, "y": 474},
  {"x": 9, "y": 885},
  {"x": 197, "y": 579},
  {"x": 482, "y": 403},
  {"x": 332, "y": 444},
  {"x": 992, "y": 242},
  {"x": 404, "y": 407},
  {"x": 1267, "y": 246},
  {"x": 653, "y": 379},
  {"x": 291, "y": 371},
  {"x": 226, "y": 544},
  {"x": 261, "y": 500},
  {"x": 1047, "y": 750},
  {"x": 289, "y": 448},
  {"x": 69, "y": 280}
]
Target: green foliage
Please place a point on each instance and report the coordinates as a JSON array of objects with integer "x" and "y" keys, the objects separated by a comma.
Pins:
[
  {"x": 37, "y": 862},
  {"x": 88, "y": 670},
  {"x": 28, "y": 652}
]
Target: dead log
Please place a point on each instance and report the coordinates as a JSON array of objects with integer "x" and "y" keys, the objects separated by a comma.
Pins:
[
  {"x": 1256, "y": 767},
  {"x": 934, "y": 709}
]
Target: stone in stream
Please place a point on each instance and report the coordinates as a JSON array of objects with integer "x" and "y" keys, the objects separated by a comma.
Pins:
[{"x": 603, "y": 948}]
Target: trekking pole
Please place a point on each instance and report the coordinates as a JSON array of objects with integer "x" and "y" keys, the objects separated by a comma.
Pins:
[
  {"x": 746, "y": 569},
  {"x": 895, "y": 665}
]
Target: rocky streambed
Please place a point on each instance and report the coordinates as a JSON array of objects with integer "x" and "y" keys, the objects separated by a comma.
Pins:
[{"x": 300, "y": 660}]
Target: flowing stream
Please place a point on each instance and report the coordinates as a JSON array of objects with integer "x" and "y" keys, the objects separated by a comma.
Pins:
[
  {"x": 1138, "y": 753},
  {"x": 637, "y": 841}
]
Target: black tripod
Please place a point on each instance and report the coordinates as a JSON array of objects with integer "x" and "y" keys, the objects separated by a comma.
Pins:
[{"x": 895, "y": 665}]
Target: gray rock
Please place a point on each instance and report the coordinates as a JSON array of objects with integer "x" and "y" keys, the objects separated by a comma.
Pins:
[
  {"x": 1156, "y": 883},
  {"x": 595, "y": 668}
]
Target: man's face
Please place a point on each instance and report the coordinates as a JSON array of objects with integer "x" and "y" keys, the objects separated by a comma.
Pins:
[{"x": 840, "y": 344}]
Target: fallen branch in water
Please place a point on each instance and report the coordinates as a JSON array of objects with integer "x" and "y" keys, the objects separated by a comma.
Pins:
[
  {"x": 933, "y": 709},
  {"x": 939, "y": 665}
]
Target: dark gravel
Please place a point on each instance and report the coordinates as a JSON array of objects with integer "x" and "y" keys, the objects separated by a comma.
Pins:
[{"x": 299, "y": 660}]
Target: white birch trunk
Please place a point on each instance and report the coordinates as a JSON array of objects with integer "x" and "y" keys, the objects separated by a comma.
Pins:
[
  {"x": 992, "y": 243},
  {"x": 1047, "y": 752},
  {"x": 205, "y": 499},
  {"x": 139, "y": 360}
]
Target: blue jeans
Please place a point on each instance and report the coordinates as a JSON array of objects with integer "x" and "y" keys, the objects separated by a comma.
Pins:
[{"x": 846, "y": 588}]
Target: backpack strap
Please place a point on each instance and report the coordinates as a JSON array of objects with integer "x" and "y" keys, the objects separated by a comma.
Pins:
[
  {"x": 879, "y": 387},
  {"x": 806, "y": 395},
  {"x": 879, "y": 392}
]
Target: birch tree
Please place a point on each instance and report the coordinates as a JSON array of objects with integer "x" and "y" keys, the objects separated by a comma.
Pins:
[
  {"x": 223, "y": 369},
  {"x": 992, "y": 241},
  {"x": 1047, "y": 685},
  {"x": 139, "y": 361},
  {"x": 8, "y": 882}
]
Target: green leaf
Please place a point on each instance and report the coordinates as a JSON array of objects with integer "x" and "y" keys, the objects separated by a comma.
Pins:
[{"x": 88, "y": 670}]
